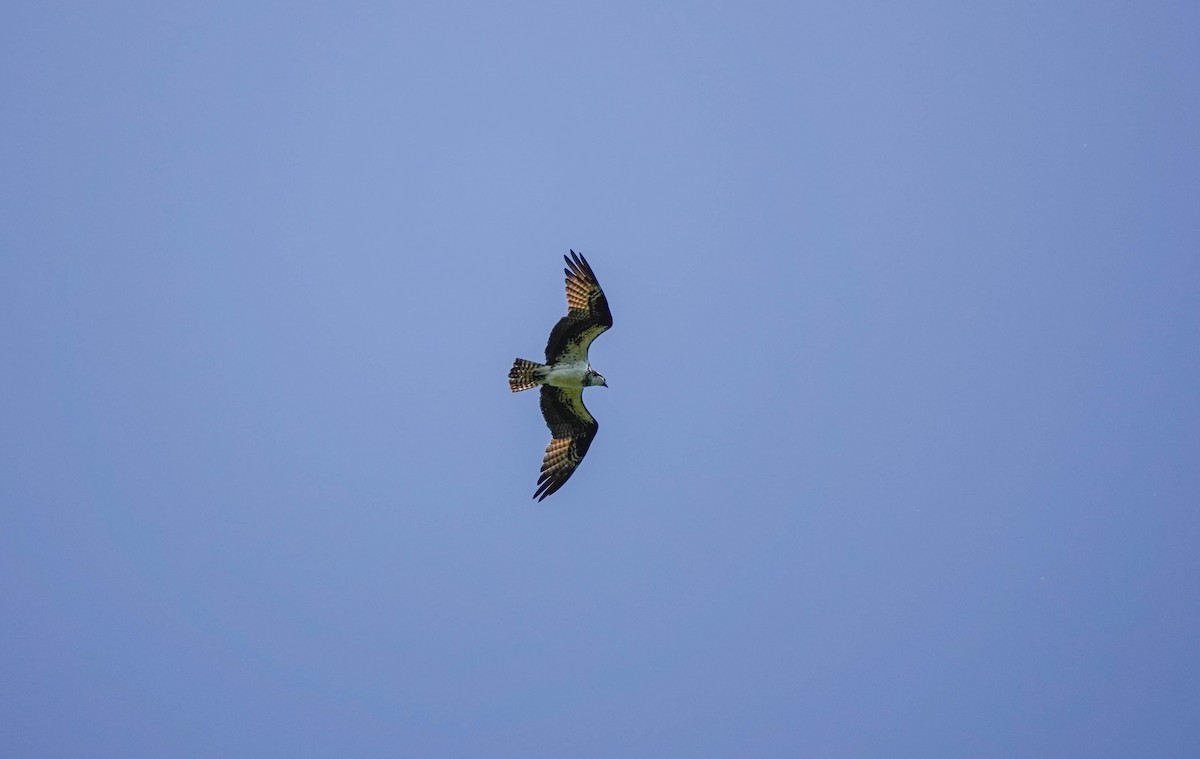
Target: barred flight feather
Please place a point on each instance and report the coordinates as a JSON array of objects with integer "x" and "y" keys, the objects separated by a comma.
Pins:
[{"x": 564, "y": 375}]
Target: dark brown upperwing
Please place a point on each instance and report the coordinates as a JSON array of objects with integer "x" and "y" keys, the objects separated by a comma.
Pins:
[
  {"x": 587, "y": 313},
  {"x": 572, "y": 430}
]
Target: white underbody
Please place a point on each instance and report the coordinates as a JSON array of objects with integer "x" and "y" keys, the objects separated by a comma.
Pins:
[{"x": 567, "y": 375}]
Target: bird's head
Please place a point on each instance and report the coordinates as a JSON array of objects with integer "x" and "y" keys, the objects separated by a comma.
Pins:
[{"x": 595, "y": 378}]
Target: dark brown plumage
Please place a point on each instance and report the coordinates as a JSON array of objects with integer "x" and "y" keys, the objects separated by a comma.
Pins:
[
  {"x": 587, "y": 314},
  {"x": 572, "y": 430},
  {"x": 565, "y": 374}
]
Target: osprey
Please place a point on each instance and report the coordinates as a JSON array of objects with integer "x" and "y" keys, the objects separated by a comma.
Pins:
[{"x": 565, "y": 374}]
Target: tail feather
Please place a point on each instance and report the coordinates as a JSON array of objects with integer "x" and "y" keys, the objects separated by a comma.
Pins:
[{"x": 525, "y": 374}]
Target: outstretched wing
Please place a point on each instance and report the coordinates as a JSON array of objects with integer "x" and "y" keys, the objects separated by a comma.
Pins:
[
  {"x": 587, "y": 314},
  {"x": 572, "y": 430}
]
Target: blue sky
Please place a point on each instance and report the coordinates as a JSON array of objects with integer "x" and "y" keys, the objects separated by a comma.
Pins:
[{"x": 899, "y": 454}]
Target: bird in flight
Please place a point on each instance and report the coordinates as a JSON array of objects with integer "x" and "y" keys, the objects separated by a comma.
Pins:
[{"x": 565, "y": 374}]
